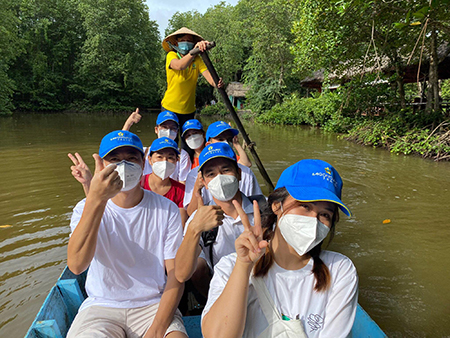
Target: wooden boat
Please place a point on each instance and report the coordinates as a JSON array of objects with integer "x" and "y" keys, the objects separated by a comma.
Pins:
[{"x": 62, "y": 303}]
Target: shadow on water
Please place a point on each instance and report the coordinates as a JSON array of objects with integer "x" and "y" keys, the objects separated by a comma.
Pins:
[{"x": 402, "y": 265}]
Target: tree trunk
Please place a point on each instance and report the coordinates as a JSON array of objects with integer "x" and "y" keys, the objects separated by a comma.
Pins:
[
  {"x": 400, "y": 85},
  {"x": 433, "y": 88}
]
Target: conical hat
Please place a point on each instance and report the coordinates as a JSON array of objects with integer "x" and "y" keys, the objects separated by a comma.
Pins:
[{"x": 173, "y": 37}]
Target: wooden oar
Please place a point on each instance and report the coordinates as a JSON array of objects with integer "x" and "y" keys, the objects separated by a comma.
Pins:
[{"x": 226, "y": 100}]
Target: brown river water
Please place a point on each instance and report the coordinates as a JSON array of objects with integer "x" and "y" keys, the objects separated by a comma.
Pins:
[{"x": 403, "y": 265}]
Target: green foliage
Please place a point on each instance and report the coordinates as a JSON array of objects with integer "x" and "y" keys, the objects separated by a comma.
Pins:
[
  {"x": 391, "y": 133},
  {"x": 296, "y": 111},
  {"x": 445, "y": 90},
  {"x": 269, "y": 67},
  {"x": 10, "y": 47},
  {"x": 80, "y": 54},
  {"x": 120, "y": 60},
  {"x": 52, "y": 37},
  {"x": 217, "y": 109}
]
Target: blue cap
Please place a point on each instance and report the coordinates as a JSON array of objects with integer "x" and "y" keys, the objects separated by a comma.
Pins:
[
  {"x": 163, "y": 143},
  {"x": 312, "y": 181},
  {"x": 166, "y": 116},
  {"x": 117, "y": 139},
  {"x": 215, "y": 150},
  {"x": 191, "y": 124},
  {"x": 218, "y": 128}
]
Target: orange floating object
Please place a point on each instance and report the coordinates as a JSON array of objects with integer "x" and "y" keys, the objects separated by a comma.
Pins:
[
  {"x": 5, "y": 226},
  {"x": 387, "y": 221}
]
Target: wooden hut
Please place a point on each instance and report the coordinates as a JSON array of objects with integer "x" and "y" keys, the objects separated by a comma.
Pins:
[
  {"x": 409, "y": 72},
  {"x": 236, "y": 93}
]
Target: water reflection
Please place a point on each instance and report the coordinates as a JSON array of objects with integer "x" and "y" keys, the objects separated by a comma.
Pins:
[{"x": 402, "y": 265}]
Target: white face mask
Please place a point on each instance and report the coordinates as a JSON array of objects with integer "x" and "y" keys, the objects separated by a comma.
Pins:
[
  {"x": 130, "y": 173},
  {"x": 195, "y": 141},
  {"x": 163, "y": 169},
  {"x": 167, "y": 133},
  {"x": 302, "y": 232},
  {"x": 223, "y": 187}
]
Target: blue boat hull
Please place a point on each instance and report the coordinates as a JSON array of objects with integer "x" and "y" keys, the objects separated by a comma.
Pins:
[{"x": 62, "y": 303}]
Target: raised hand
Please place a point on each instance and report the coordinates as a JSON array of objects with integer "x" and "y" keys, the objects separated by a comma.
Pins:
[
  {"x": 106, "y": 182},
  {"x": 135, "y": 117},
  {"x": 80, "y": 170},
  {"x": 250, "y": 245},
  {"x": 206, "y": 217},
  {"x": 220, "y": 84},
  {"x": 201, "y": 45}
]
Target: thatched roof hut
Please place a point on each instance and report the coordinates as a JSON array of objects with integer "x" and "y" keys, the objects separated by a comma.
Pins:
[
  {"x": 236, "y": 89},
  {"x": 236, "y": 92},
  {"x": 372, "y": 66}
]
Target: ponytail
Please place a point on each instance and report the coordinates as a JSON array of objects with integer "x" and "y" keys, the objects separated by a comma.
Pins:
[{"x": 268, "y": 221}]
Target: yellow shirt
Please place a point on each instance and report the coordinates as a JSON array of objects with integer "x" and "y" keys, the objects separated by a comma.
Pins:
[{"x": 181, "y": 85}]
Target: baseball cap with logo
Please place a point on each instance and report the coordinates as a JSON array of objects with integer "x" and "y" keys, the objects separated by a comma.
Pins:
[
  {"x": 164, "y": 143},
  {"x": 216, "y": 150},
  {"x": 313, "y": 181},
  {"x": 166, "y": 116},
  {"x": 218, "y": 128},
  {"x": 117, "y": 139},
  {"x": 191, "y": 124}
]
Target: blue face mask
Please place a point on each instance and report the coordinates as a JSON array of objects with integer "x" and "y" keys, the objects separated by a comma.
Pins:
[{"x": 185, "y": 46}]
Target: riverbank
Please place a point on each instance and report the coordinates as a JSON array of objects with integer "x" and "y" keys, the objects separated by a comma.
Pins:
[{"x": 401, "y": 132}]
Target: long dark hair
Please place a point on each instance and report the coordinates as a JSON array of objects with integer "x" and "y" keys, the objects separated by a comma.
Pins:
[{"x": 268, "y": 221}]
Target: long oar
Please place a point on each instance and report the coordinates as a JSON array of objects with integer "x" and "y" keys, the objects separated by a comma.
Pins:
[{"x": 230, "y": 108}]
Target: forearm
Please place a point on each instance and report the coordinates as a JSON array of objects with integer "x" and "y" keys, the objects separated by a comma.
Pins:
[
  {"x": 168, "y": 303},
  {"x": 187, "y": 254},
  {"x": 82, "y": 243},
  {"x": 192, "y": 206},
  {"x": 207, "y": 75},
  {"x": 226, "y": 318},
  {"x": 243, "y": 158},
  {"x": 127, "y": 125},
  {"x": 183, "y": 63},
  {"x": 184, "y": 216}
]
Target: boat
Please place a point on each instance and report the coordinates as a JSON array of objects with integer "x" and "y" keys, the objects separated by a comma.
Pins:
[{"x": 61, "y": 305}]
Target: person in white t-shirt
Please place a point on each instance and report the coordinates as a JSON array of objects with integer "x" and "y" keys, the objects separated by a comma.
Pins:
[
  {"x": 207, "y": 239},
  {"x": 220, "y": 131},
  {"x": 279, "y": 280},
  {"x": 166, "y": 125},
  {"x": 128, "y": 238}
]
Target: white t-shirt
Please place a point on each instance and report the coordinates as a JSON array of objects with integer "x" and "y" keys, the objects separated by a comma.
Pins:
[
  {"x": 128, "y": 269},
  {"x": 182, "y": 168},
  {"x": 323, "y": 314},
  {"x": 248, "y": 185},
  {"x": 227, "y": 233}
]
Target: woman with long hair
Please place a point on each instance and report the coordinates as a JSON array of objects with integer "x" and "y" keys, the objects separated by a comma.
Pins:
[{"x": 280, "y": 283}]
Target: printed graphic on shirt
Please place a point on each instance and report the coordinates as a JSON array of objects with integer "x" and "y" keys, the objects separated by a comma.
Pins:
[{"x": 315, "y": 322}]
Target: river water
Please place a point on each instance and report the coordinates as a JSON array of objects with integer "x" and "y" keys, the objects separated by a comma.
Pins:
[{"x": 403, "y": 265}]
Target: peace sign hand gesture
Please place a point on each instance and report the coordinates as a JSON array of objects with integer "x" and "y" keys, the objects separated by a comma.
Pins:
[
  {"x": 80, "y": 170},
  {"x": 250, "y": 245}
]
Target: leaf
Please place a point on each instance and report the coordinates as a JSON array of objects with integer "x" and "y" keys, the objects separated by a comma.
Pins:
[
  {"x": 399, "y": 25},
  {"x": 408, "y": 17},
  {"x": 415, "y": 23}
]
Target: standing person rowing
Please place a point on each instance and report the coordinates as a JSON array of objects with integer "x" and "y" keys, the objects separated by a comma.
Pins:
[{"x": 182, "y": 71}]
